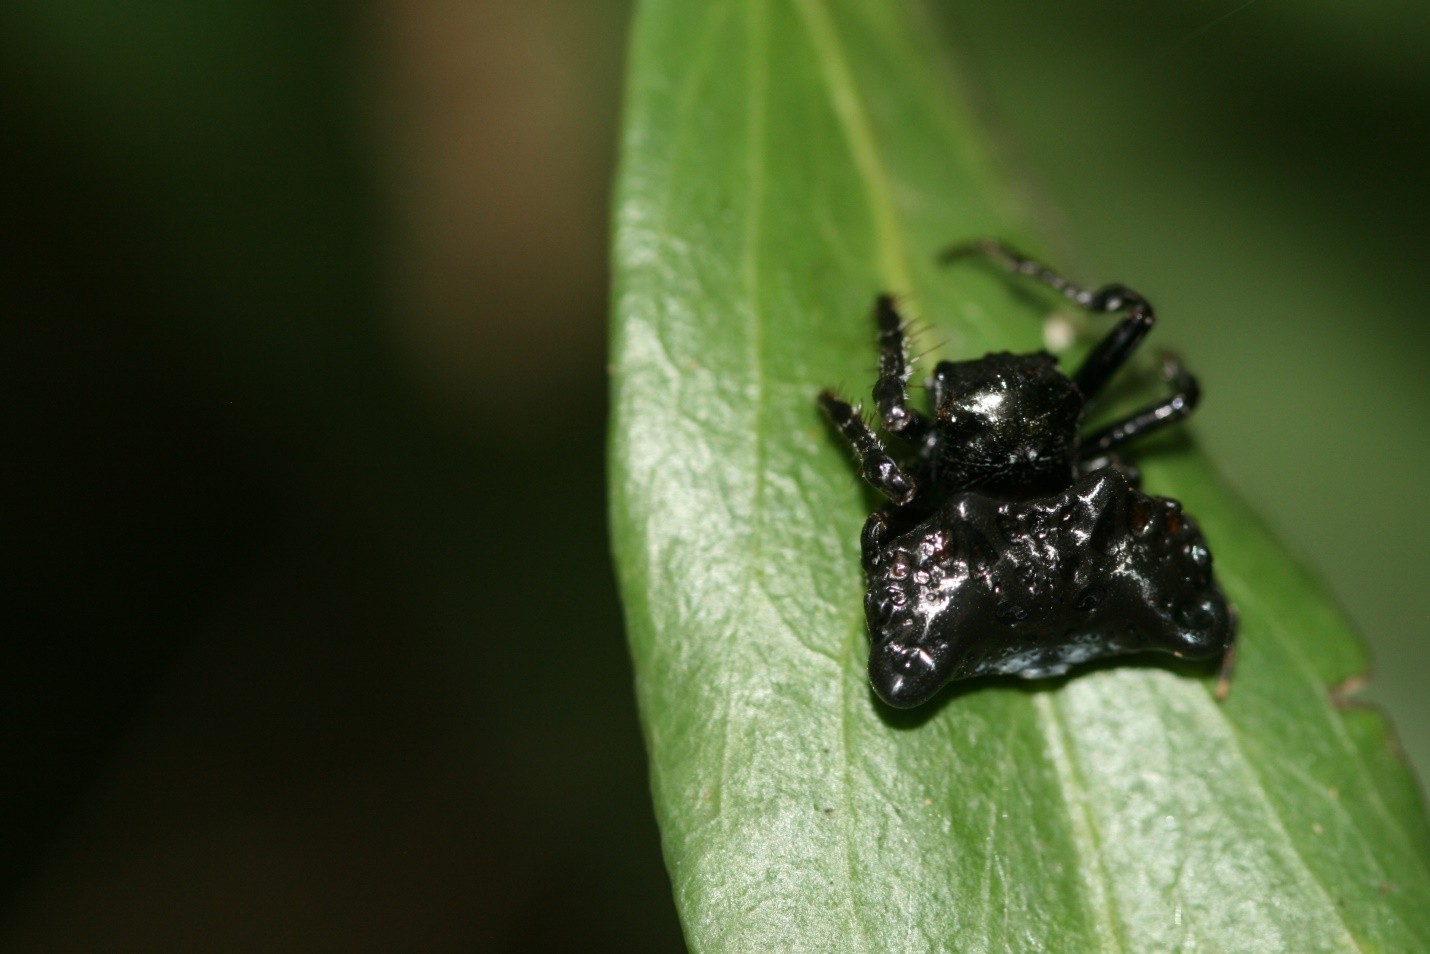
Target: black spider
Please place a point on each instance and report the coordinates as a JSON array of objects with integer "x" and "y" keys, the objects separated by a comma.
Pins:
[{"x": 1014, "y": 545}]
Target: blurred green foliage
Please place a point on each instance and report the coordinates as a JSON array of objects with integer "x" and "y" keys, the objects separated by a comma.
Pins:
[
  {"x": 312, "y": 637},
  {"x": 304, "y": 652}
]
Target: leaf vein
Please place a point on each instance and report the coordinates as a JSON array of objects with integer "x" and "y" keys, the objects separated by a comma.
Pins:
[
  {"x": 1084, "y": 828},
  {"x": 1338, "y": 728}
]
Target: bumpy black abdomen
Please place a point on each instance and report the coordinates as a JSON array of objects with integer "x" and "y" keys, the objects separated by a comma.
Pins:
[{"x": 1032, "y": 587}]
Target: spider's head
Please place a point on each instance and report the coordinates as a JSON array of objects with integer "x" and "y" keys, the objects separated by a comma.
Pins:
[{"x": 1006, "y": 419}]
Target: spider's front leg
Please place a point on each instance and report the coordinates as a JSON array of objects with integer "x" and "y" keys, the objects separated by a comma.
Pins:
[
  {"x": 1183, "y": 400},
  {"x": 891, "y": 392},
  {"x": 1112, "y": 352},
  {"x": 877, "y": 467}
]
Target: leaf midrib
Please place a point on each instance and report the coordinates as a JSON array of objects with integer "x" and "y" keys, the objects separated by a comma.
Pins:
[{"x": 892, "y": 266}]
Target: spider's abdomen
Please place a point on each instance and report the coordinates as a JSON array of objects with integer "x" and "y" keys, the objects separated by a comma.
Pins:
[{"x": 1032, "y": 587}]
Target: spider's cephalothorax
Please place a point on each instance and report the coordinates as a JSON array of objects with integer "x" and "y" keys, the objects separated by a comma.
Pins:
[
  {"x": 1012, "y": 543},
  {"x": 1004, "y": 423}
]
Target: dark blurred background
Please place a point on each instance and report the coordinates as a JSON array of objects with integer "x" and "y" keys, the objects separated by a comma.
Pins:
[{"x": 311, "y": 638}]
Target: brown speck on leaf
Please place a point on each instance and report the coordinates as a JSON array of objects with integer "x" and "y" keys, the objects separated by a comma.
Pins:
[
  {"x": 1226, "y": 671},
  {"x": 1342, "y": 693}
]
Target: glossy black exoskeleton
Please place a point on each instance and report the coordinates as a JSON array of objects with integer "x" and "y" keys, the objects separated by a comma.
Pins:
[{"x": 1013, "y": 544}]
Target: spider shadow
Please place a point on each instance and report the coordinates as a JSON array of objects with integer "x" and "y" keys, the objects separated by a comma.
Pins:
[{"x": 915, "y": 718}]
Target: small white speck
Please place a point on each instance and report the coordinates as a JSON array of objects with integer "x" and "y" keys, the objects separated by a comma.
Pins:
[{"x": 1058, "y": 332}]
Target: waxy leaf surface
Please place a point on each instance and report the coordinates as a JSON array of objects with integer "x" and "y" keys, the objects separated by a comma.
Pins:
[{"x": 784, "y": 161}]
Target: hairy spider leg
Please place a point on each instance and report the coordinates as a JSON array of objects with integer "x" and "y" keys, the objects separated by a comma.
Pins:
[
  {"x": 875, "y": 464},
  {"x": 891, "y": 393},
  {"x": 1185, "y": 395},
  {"x": 1113, "y": 350}
]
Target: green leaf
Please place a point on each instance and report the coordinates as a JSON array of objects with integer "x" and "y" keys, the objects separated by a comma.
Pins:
[{"x": 784, "y": 161}]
